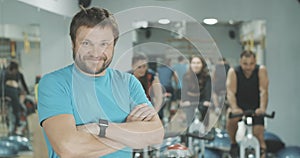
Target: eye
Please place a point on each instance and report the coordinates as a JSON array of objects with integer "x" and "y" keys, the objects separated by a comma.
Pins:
[
  {"x": 85, "y": 43},
  {"x": 104, "y": 44}
]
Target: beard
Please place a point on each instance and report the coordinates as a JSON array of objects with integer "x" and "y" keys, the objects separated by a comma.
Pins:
[{"x": 82, "y": 62}]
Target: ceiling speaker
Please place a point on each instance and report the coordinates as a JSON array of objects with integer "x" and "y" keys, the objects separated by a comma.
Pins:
[
  {"x": 84, "y": 3},
  {"x": 231, "y": 34}
]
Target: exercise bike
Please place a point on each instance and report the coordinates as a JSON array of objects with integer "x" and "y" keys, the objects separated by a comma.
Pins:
[
  {"x": 249, "y": 145},
  {"x": 188, "y": 143}
]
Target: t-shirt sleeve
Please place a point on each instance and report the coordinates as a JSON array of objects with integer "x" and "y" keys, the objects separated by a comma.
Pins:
[
  {"x": 137, "y": 93},
  {"x": 54, "y": 98}
]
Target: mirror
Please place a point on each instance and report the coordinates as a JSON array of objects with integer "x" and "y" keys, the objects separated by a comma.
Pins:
[
  {"x": 166, "y": 42},
  {"x": 20, "y": 38},
  {"x": 230, "y": 37}
]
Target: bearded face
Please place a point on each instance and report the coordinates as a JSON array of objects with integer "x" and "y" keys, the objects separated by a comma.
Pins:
[
  {"x": 93, "y": 49},
  {"x": 248, "y": 64}
]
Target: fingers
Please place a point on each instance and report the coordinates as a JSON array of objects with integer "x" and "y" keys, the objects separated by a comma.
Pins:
[
  {"x": 150, "y": 115},
  {"x": 144, "y": 114},
  {"x": 141, "y": 112},
  {"x": 137, "y": 108}
]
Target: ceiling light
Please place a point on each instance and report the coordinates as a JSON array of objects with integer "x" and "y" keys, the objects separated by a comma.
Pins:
[
  {"x": 210, "y": 21},
  {"x": 231, "y": 22},
  {"x": 164, "y": 21},
  {"x": 140, "y": 24}
]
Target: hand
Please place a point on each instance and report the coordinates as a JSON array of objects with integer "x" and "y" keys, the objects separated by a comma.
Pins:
[
  {"x": 185, "y": 103},
  {"x": 142, "y": 112},
  {"x": 206, "y": 103},
  {"x": 260, "y": 111}
]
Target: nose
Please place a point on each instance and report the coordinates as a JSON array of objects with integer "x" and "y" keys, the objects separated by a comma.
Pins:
[
  {"x": 98, "y": 51},
  {"x": 248, "y": 67}
]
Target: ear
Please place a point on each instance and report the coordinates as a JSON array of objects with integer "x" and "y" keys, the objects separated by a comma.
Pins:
[{"x": 73, "y": 45}]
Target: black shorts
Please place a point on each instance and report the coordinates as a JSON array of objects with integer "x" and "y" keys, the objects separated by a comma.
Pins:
[{"x": 258, "y": 120}]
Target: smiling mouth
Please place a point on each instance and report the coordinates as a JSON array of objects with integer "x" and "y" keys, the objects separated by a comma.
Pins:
[{"x": 96, "y": 59}]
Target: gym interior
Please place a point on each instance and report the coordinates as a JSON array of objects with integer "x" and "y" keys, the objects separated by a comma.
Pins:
[{"x": 36, "y": 35}]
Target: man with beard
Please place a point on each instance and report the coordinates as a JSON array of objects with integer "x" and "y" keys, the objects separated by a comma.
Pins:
[
  {"x": 247, "y": 89},
  {"x": 89, "y": 110},
  {"x": 148, "y": 79}
]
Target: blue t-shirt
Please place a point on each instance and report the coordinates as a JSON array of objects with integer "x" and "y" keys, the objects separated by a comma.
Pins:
[
  {"x": 165, "y": 76},
  {"x": 180, "y": 69},
  {"x": 111, "y": 97}
]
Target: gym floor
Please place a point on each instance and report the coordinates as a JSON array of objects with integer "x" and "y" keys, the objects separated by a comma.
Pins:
[{"x": 36, "y": 138}]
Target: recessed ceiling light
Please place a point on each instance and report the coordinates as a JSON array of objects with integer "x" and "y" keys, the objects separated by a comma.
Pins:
[
  {"x": 210, "y": 21},
  {"x": 231, "y": 22},
  {"x": 140, "y": 24},
  {"x": 164, "y": 21}
]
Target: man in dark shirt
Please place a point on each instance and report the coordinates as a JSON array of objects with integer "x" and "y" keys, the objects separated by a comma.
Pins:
[
  {"x": 247, "y": 89},
  {"x": 148, "y": 79}
]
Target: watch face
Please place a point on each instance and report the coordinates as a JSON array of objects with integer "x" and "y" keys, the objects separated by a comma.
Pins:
[{"x": 102, "y": 124}]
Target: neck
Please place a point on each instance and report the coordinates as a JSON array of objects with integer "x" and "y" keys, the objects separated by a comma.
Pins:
[
  {"x": 91, "y": 75},
  {"x": 247, "y": 74}
]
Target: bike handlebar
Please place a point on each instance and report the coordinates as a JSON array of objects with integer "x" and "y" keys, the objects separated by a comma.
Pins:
[
  {"x": 209, "y": 136},
  {"x": 251, "y": 113}
]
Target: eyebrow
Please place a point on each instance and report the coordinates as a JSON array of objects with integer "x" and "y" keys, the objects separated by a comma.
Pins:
[
  {"x": 108, "y": 40},
  {"x": 88, "y": 40},
  {"x": 85, "y": 39}
]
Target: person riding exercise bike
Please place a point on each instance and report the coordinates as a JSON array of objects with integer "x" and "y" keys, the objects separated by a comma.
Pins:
[{"x": 247, "y": 89}]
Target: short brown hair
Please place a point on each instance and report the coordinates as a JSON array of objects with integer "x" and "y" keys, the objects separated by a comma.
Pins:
[
  {"x": 13, "y": 66},
  {"x": 137, "y": 57},
  {"x": 247, "y": 53},
  {"x": 92, "y": 17}
]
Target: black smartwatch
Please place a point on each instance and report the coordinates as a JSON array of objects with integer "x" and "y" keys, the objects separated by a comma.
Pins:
[{"x": 103, "y": 124}]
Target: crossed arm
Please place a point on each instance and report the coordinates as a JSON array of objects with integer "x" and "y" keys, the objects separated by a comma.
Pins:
[{"x": 142, "y": 128}]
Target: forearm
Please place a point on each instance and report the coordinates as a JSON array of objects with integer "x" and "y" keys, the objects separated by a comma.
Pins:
[
  {"x": 206, "y": 100},
  {"x": 137, "y": 134},
  {"x": 68, "y": 140},
  {"x": 158, "y": 96},
  {"x": 157, "y": 102},
  {"x": 88, "y": 145},
  {"x": 263, "y": 87},
  {"x": 231, "y": 87},
  {"x": 232, "y": 100},
  {"x": 263, "y": 99}
]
